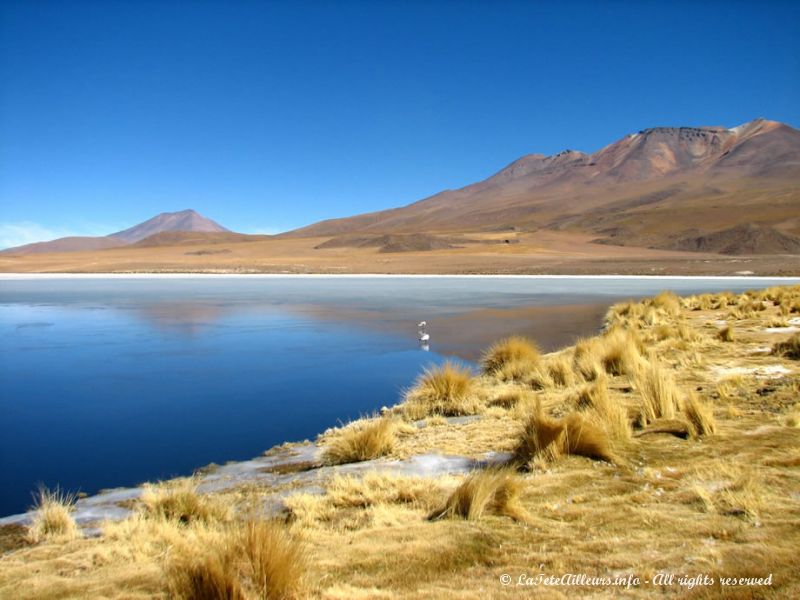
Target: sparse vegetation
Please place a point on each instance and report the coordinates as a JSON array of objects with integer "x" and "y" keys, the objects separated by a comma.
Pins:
[
  {"x": 619, "y": 352},
  {"x": 700, "y": 415},
  {"x": 258, "y": 559},
  {"x": 180, "y": 501},
  {"x": 448, "y": 390},
  {"x": 726, "y": 334},
  {"x": 611, "y": 414},
  {"x": 789, "y": 348},
  {"x": 561, "y": 371},
  {"x": 52, "y": 517},
  {"x": 365, "y": 439},
  {"x": 546, "y": 439},
  {"x": 512, "y": 349},
  {"x": 659, "y": 393},
  {"x": 494, "y": 491}
]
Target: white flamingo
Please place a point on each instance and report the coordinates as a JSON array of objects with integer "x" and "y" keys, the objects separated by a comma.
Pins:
[{"x": 423, "y": 335}]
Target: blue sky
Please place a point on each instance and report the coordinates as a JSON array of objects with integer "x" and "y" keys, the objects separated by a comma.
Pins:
[{"x": 270, "y": 115}]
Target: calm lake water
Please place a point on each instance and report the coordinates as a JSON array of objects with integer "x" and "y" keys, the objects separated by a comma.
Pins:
[{"x": 109, "y": 382}]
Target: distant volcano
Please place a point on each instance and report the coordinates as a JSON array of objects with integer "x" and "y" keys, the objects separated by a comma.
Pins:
[{"x": 184, "y": 220}]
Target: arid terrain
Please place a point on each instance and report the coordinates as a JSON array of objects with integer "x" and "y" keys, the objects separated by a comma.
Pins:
[
  {"x": 668, "y": 445},
  {"x": 665, "y": 200},
  {"x": 541, "y": 252}
]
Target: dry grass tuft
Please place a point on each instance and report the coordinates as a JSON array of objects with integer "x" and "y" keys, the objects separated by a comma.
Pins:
[
  {"x": 619, "y": 352},
  {"x": 667, "y": 301},
  {"x": 180, "y": 501},
  {"x": 361, "y": 440},
  {"x": 510, "y": 398},
  {"x": 789, "y": 348},
  {"x": 612, "y": 415},
  {"x": 257, "y": 559},
  {"x": 494, "y": 491},
  {"x": 521, "y": 371},
  {"x": 561, "y": 370},
  {"x": 212, "y": 576},
  {"x": 546, "y": 438},
  {"x": 700, "y": 414},
  {"x": 511, "y": 349},
  {"x": 277, "y": 563},
  {"x": 726, "y": 334},
  {"x": 586, "y": 358},
  {"x": 660, "y": 395},
  {"x": 448, "y": 390},
  {"x": 52, "y": 519}
]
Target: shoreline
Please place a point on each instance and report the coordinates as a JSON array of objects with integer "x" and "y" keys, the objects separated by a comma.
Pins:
[
  {"x": 142, "y": 275},
  {"x": 664, "y": 484}
]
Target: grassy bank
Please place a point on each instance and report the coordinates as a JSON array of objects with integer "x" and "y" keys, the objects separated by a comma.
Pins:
[{"x": 667, "y": 444}]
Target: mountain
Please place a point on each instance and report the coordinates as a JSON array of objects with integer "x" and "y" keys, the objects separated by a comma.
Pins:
[
  {"x": 185, "y": 220},
  {"x": 182, "y": 221},
  {"x": 650, "y": 188},
  {"x": 66, "y": 244}
]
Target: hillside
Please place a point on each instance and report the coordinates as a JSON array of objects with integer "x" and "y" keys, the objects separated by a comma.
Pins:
[
  {"x": 647, "y": 189},
  {"x": 185, "y": 220},
  {"x": 176, "y": 223}
]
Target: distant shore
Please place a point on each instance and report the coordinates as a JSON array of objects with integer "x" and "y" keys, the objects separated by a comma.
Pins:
[{"x": 142, "y": 275}]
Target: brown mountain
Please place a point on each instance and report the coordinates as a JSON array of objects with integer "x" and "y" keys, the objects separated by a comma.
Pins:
[
  {"x": 188, "y": 221},
  {"x": 185, "y": 220},
  {"x": 66, "y": 244},
  {"x": 648, "y": 189}
]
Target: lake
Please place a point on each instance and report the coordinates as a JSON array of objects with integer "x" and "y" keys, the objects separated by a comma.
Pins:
[{"x": 112, "y": 380}]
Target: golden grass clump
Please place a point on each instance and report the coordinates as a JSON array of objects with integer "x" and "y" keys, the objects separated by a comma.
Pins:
[
  {"x": 257, "y": 559},
  {"x": 620, "y": 352},
  {"x": 180, "y": 501},
  {"x": 700, "y": 414},
  {"x": 667, "y": 301},
  {"x": 448, "y": 390},
  {"x": 586, "y": 359},
  {"x": 726, "y": 334},
  {"x": 546, "y": 438},
  {"x": 522, "y": 371},
  {"x": 489, "y": 492},
  {"x": 561, "y": 371},
  {"x": 612, "y": 415},
  {"x": 660, "y": 395},
  {"x": 511, "y": 349},
  {"x": 510, "y": 398},
  {"x": 789, "y": 348},
  {"x": 52, "y": 518},
  {"x": 361, "y": 440}
]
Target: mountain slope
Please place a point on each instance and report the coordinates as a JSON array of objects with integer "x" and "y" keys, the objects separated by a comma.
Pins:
[
  {"x": 182, "y": 221},
  {"x": 646, "y": 189},
  {"x": 67, "y": 244},
  {"x": 185, "y": 220}
]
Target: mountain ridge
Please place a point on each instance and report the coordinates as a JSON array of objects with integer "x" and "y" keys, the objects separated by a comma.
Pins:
[{"x": 660, "y": 175}]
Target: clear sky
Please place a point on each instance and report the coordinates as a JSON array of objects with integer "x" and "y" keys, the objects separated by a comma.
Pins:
[{"x": 267, "y": 116}]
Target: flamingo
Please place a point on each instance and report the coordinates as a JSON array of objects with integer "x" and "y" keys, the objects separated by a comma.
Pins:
[{"x": 423, "y": 335}]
